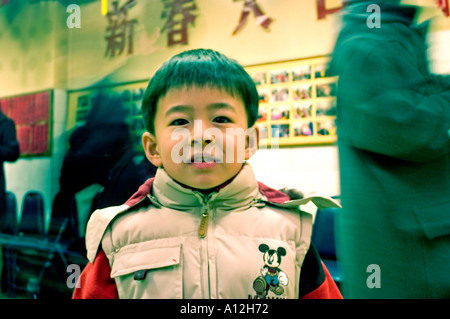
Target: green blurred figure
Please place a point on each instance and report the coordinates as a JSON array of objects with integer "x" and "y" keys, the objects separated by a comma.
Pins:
[{"x": 394, "y": 151}]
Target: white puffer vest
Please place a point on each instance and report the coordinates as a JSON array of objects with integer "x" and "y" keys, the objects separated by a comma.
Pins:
[{"x": 179, "y": 243}]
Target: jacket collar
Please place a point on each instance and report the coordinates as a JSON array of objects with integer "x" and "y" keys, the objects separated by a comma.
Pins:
[{"x": 241, "y": 192}]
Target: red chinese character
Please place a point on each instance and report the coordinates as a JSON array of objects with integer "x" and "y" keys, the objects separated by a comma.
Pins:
[
  {"x": 323, "y": 11},
  {"x": 179, "y": 15},
  {"x": 261, "y": 18},
  {"x": 443, "y": 5}
]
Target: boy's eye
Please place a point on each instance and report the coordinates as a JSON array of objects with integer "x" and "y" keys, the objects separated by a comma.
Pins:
[
  {"x": 179, "y": 122},
  {"x": 222, "y": 119}
]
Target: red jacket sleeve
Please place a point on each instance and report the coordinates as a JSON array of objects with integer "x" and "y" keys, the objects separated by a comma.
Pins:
[
  {"x": 326, "y": 290},
  {"x": 315, "y": 279},
  {"x": 95, "y": 281}
]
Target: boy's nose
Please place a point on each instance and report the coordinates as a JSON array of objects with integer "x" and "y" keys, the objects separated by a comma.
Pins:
[
  {"x": 202, "y": 140},
  {"x": 200, "y": 135}
]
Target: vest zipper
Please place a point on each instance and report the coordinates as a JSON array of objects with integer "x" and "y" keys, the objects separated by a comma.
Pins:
[
  {"x": 203, "y": 227},
  {"x": 203, "y": 224}
]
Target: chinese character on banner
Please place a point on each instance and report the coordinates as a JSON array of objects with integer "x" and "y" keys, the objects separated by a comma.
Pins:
[
  {"x": 323, "y": 11},
  {"x": 178, "y": 14},
  {"x": 443, "y": 5},
  {"x": 261, "y": 18},
  {"x": 119, "y": 32}
]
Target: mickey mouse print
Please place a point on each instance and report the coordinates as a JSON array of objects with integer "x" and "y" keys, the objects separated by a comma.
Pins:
[{"x": 272, "y": 278}]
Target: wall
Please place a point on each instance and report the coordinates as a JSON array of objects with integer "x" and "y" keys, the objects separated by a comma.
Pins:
[
  {"x": 310, "y": 169},
  {"x": 439, "y": 51},
  {"x": 28, "y": 51}
]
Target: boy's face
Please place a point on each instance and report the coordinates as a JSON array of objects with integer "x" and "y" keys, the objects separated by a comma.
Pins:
[{"x": 200, "y": 136}]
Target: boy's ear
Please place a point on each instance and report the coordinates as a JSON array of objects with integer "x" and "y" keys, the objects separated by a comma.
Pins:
[
  {"x": 151, "y": 149},
  {"x": 251, "y": 142}
]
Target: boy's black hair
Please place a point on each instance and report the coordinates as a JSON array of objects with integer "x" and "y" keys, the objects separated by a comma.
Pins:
[{"x": 203, "y": 68}]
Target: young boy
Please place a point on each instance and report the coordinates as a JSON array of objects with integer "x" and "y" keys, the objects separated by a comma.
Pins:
[{"x": 203, "y": 227}]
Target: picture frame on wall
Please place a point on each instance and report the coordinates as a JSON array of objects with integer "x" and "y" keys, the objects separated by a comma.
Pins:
[
  {"x": 263, "y": 96},
  {"x": 262, "y": 114},
  {"x": 279, "y": 76},
  {"x": 321, "y": 70},
  {"x": 303, "y": 129},
  {"x": 301, "y": 92},
  {"x": 302, "y": 110},
  {"x": 280, "y": 94},
  {"x": 260, "y": 78},
  {"x": 281, "y": 112},
  {"x": 32, "y": 115},
  {"x": 326, "y": 107},
  {"x": 302, "y": 72},
  {"x": 326, "y": 89}
]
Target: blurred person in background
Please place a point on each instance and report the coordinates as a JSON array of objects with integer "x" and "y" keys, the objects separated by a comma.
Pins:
[
  {"x": 100, "y": 153},
  {"x": 394, "y": 152},
  {"x": 9, "y": 152}
]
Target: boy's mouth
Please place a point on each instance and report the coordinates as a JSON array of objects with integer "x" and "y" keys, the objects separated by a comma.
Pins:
[
  {"x": 203, "y": 161},
  {"x": 204, "y": 158},
  {"x": 203, "y": 165}
]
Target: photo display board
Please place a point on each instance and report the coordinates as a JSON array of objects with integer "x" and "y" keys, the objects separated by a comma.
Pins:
[{"x": 297, "y": 102}]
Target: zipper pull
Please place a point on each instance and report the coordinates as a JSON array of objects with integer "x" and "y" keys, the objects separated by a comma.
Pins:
[{"x": 203, "y": 225}]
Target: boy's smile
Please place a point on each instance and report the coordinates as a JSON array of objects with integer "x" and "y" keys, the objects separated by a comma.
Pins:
[{"x": 199, "y": 136}]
